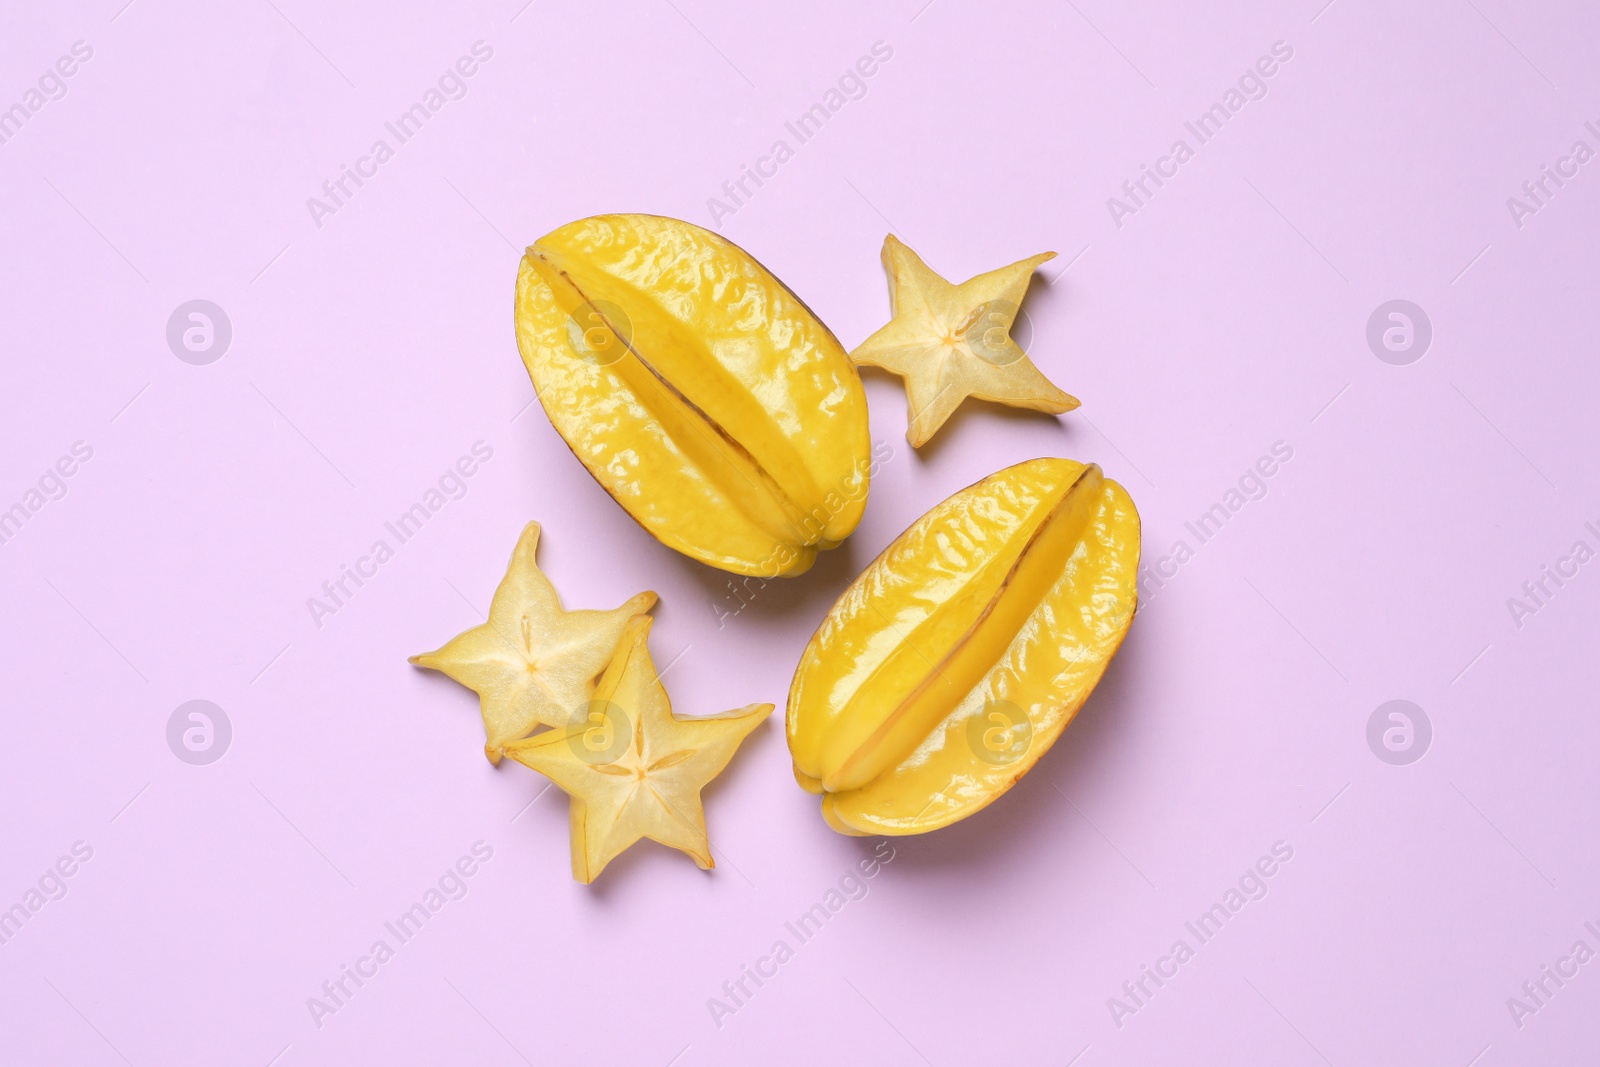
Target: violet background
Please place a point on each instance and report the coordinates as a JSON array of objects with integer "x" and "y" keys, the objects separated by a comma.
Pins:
[{"x": 369, "y": 353}]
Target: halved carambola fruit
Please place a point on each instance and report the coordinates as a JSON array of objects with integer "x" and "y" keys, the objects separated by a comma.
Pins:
[
  {"x": 698, "y": 390},
  {"x": 957, "y": 658}
]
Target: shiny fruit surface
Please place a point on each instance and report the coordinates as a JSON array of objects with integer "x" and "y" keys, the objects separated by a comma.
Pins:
[
  {"x": 700, "y": 392},
  {"x": 956, "y": 659}
]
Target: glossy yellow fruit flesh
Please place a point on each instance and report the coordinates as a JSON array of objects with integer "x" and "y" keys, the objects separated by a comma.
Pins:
[
  {"x": 957, "y": 658},
  {"x": 699, "y": 391}
]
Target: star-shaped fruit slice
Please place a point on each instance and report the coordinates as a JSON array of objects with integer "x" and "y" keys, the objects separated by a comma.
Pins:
[
  {"x": 532, "y": 662},
  {"x": 632, "y": 768},
  {"x": 950, "y": 342}
]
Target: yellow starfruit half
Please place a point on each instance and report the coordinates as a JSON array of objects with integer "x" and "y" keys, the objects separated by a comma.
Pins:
[
  {"x": 700, "y": 392},
  {"x": 959, "y": 655}
]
